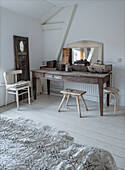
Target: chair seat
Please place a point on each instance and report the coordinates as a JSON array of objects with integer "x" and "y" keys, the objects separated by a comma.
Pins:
[
  {"x": 17, "y": 85},
  {"x": 73, "y": 92},
  {"x": 111, "y": 90}
]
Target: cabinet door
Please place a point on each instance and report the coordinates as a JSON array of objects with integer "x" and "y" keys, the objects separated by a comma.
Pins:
[{"x": 21, "y": 51}]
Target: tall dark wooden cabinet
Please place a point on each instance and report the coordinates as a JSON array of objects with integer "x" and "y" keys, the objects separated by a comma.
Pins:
[{"x": 21, "y": 52}]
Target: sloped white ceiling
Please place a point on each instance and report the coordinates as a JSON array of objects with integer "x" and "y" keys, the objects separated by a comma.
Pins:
[
  {"x": 37, "y": 8},
  {"x": 34, "y": 8}
]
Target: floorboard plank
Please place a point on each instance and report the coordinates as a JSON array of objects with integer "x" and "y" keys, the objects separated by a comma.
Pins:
[{"x": 106, "y": 131}]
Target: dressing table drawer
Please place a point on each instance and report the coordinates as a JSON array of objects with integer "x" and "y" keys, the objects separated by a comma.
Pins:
[
  {"x": 50, "y": 76},
  {"x": 57, "y": 77}
]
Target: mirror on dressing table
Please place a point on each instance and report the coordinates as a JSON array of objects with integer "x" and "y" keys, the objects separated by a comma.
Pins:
[
  {"x": 90, "y": 51},
  {"x": 88, "y": 56}
]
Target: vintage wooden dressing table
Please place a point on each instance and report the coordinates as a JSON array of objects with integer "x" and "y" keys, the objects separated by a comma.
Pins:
[
  {"x": 74, "y": 76},
  {"x": 95, "y": 54}
]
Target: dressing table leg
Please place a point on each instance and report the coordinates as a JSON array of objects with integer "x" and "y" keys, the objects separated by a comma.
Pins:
[
  {"x": 34, "y": 85},
  {"x": 48, "y": 87},
  {"x": 101, "y": 96}
]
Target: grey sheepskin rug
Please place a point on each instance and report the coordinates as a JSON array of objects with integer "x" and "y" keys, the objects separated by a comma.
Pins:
[{"x": 26, "y": 145}]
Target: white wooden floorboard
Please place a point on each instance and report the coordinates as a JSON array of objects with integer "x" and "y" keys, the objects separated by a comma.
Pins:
[{"x": 106, "y": 132}]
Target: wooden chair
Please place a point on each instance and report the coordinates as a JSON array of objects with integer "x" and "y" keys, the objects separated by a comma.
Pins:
[
  {"x": 113, "y": 92},
  {"x": 13, "y": 87},
  {"x": 76, "y": 93}
]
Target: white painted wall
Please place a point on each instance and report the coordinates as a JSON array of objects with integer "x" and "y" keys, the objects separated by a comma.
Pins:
[
  {"x": 0, "y": 44},
  {"x": 102, "y": 21},
  {"x": 14, "y": 24}
]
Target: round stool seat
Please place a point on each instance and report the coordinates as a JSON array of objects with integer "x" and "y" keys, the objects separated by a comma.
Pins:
[
  {"x": 111, "y": 90},
  {"x": 114, "y": 92}
]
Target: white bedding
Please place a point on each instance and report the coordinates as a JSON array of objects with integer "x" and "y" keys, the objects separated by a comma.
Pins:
[{"x": 25, "y": 145}]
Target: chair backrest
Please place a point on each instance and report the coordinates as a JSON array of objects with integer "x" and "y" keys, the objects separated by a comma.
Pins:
[{"x": 12, "y": 76}]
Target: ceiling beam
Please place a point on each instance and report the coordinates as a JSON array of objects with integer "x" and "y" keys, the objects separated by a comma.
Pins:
[
  {"x": 52, "y": 26},
  {"x": 50, "y": 15},
  {"x": 65, "y": 30},
  {"x": 64, "y": 26}
]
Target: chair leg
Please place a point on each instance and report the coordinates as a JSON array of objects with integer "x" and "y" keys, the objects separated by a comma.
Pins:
[
  {"x": 78, "y": 106},
  {"x": 17, "y": 99},
  {"x": 84, "y": 102},
  {"x": 68, "y": 99},
  {"x": 62, "y": 102},
  {"x": 6, "y": 99},
  {"x": 29, "y": 95}
]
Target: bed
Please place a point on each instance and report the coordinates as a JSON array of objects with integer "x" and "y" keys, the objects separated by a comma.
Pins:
[{"x": 25, "y": 144}]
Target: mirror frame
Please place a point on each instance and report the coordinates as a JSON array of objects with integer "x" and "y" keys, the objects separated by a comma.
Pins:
[{"x": 88, "y": 44}]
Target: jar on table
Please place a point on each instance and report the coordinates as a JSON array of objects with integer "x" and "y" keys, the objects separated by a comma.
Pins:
[{"x": 67, "y": 67}]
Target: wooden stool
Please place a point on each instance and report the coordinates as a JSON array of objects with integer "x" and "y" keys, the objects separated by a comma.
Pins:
[
  {"x": 114, "y": 92},
  {"x": 77, "y": 93}
]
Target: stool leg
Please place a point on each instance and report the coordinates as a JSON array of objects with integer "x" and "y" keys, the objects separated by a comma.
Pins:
[
  {"x": 78, "y": 105},
  {"x": 62, "y": 102},
  {"x": 106, "y": 98},
  {"x": 68, "y": 99},
  {"x": 84, "y": 102},
  {"x": 114, "y": 103}
]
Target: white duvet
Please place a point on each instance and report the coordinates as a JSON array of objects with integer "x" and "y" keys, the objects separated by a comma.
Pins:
[{"x": 25, "y": 145}]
